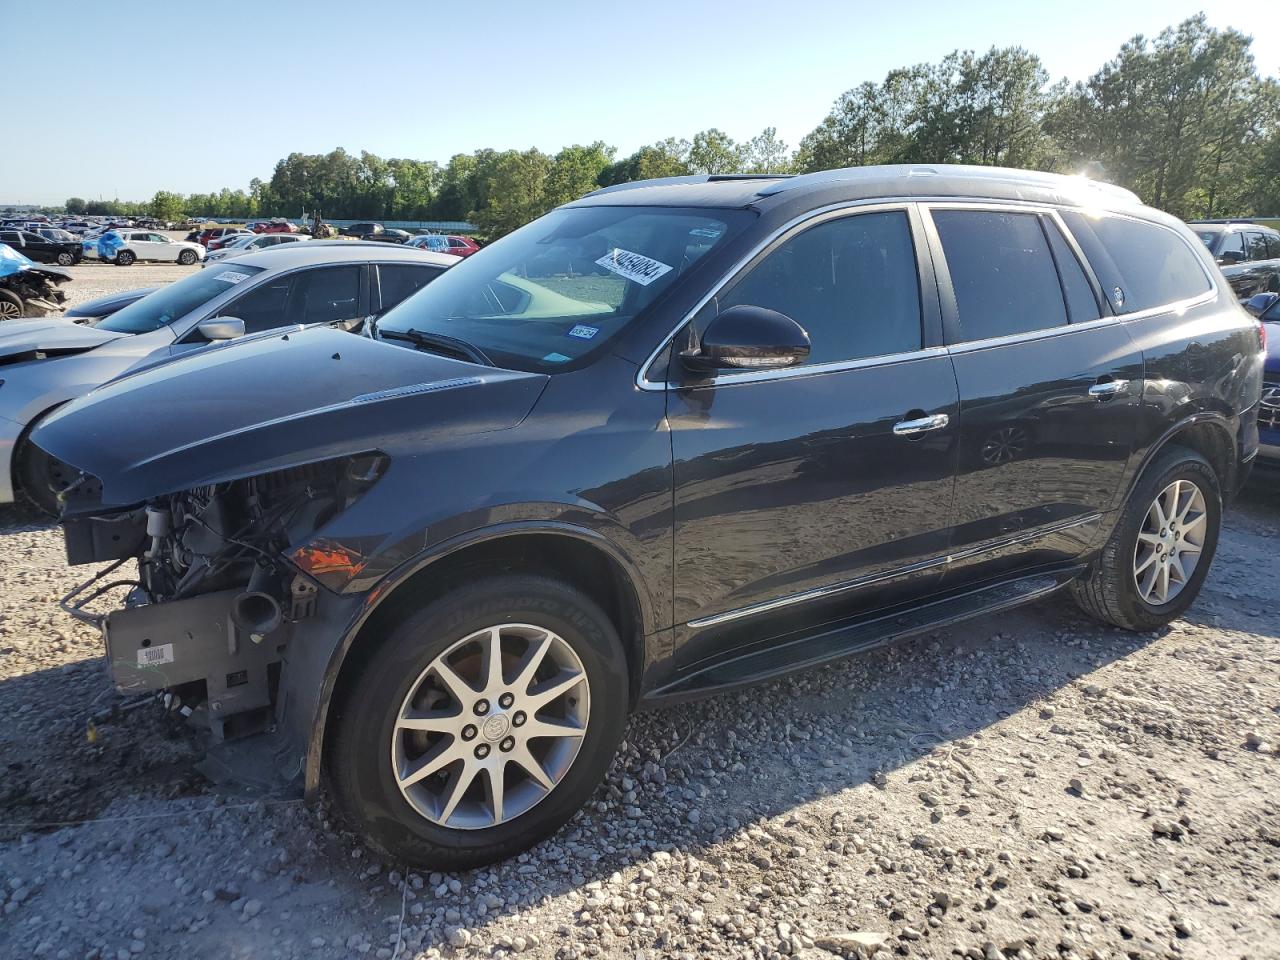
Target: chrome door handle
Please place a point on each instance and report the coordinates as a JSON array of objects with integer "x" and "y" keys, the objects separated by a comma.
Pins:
[
  {"x": 1108, "y": 389},
  {"x": 909, "y": 428}
]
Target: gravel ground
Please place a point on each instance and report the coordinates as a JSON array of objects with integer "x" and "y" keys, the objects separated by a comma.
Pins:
[{"x": 1025, "y": 785}]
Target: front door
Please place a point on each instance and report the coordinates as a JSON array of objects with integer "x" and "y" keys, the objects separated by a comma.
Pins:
[
  {"x": 1050, "y": 388},
  {"x": 802, "y": 493}
]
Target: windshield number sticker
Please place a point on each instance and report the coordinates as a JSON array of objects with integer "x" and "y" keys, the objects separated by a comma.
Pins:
[
  {"x": 634, "y": 266},
  {"x": 583, "y": 332},
  {"x": 155, "y": 656},
  {"x": 230, "y": 276}
]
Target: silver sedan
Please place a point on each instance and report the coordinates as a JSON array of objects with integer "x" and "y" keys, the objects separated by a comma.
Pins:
[{"x": 49, "y": 361}]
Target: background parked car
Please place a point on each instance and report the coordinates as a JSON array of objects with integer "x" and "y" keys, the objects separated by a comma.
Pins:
[
  {"x": 208, "y": 235},
  {"x": 271, "y": 226},
  {"x": 33, "y": 246},
  {"x": 290, "y": 285},
  {"x": 250, "y": 244},
  {"x": 362, "y": 230},
  {"x": 1247, "y": 253},
  {"x": 217, "y": 243},
  {"x": 27, "y": 288},
  {"x": 389, "y": 235},
  {"x": 439, "y": 243},
  {"x": 123, "y": 247}
]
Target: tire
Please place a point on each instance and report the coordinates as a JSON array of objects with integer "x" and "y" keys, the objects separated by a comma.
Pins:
[
  {"x": 1111, "y": 590},
  {"x": 124, "y": 258},
  {"x": 416, "y": 825},
  {"x": 187, "y": 257},
  {"x": 11, "y": 307},
  {"x": 65, "y": 259}
]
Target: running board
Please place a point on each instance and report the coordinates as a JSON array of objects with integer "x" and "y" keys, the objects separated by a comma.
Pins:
[{"x": 849, "y": 638}]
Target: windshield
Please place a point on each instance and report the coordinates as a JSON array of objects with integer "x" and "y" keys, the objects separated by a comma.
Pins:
[
  {"x": 560, "y": 288},
  {"x": 176, "y": 300}
]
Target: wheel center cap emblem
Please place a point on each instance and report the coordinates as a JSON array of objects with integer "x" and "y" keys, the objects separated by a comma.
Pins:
[{"x": 496, "y": 727}]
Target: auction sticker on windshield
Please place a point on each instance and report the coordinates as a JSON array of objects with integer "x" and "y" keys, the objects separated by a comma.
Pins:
[
  {"x": 634, "y": 266},
  {"x": 230, "y": 276}
]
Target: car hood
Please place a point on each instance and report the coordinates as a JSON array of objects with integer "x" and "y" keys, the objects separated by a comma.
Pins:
[
  {"x": 28, "y": 339},
  {"x": 102, "y": 306},
  {"x": 254, "y": 407}
]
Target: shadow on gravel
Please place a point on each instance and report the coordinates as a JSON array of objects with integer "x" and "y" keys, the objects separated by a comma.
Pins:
[
  {"x": 696, "y": 777},
  {"x": 21, "y": 518}
]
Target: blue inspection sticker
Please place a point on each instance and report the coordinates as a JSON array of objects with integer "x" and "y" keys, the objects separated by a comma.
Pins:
[
  {"x": 583, "y": 332},
  {"x": 555, "y": 358}
]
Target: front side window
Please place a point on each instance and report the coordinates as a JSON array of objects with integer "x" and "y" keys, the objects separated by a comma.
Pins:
[
  {"x": 550, "y": 295},
  {"x": 1232, "y": 249},
  {"x": 327, "y": 294},
  {"x": 263, "y": 307},
  {"x": 850, "y": 282},
  {"x": 1002, "y": 272},
  {"x": 177, "y": 299},
  {"x": 1140, "y": 265}
]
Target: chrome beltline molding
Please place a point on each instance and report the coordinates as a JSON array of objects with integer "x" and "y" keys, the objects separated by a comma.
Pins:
[{"x": 836, "y": 588}]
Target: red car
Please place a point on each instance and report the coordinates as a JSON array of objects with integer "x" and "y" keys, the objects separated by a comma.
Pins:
[
  {"x": 272, "y": 226},
  {"x": 214, "y": 234},
  {"x": 217, "y": 243},
  {"x": 458, "y": 246}
]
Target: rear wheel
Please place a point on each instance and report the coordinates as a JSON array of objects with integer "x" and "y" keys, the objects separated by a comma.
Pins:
[
  {"x": 65, "y": 259},
  {"x": 187, "y": 257},
  {"x": 1154, "y": 564},
  {"x": 481, "y": 724},
  {"x": 124, "y": 258},
  {"x": 10, "y": 305}
]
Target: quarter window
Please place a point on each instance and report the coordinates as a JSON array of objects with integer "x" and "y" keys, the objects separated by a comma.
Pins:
[
  {"x": 851, "y": 283},
  {"x": 1140, "y": 265},
  {"x": 1002, "y": 273}
]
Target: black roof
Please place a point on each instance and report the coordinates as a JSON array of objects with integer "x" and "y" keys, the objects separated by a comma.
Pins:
[{"x": 864, "y": 183}]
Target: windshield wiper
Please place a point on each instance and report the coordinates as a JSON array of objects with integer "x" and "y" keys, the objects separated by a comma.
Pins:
[{"x": 439, "y": 343}]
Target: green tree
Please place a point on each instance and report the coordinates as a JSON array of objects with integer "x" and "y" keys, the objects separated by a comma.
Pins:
[
  {"x": 513, "y": 190},
  {"x": 575, "y": 171},
  {"x": 714, "y": 151},
  {"x": 765, "y": 153},
  {"x": 75, "y": 206},
  {"x": 167, "y": 206}
]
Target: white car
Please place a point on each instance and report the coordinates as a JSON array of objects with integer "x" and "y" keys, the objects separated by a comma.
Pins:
[
  {"x": 251, "y": 243},
  {"x": 136, "y": 245}
]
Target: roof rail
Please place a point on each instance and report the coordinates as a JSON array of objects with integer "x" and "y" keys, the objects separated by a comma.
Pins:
[
  {"x": 655, "y": 182},
  {"x": 1228, "y": 220}
]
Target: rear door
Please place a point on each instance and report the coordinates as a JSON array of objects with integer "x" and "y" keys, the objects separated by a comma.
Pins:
[
  {"x": 1050, "y": 385},
  {"x": 804, "y": 495}
]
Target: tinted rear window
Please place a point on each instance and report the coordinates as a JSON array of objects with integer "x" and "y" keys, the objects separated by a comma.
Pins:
[
  {"x": 1140, "y": 265},
  {"x": 1002, "y": 272}
]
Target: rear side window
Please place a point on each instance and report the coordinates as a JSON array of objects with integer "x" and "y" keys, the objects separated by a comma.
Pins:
[
  {"x": 851, "y": 283},
  {"x": 1082, "y": 305},
  {"x": 1256, "y": 246},
  {"x": 1002, "y": 272},
  {"x": 400, "y": 282},
  {"x": 1141, "y": 265}
]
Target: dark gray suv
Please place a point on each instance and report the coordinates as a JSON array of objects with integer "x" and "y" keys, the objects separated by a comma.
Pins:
[{"x": 669, "y": 439}]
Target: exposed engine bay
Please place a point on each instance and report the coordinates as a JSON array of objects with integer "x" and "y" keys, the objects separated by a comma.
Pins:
[
  {"x": 209, "y": 614},
  {"x": 38, "y": 287}
]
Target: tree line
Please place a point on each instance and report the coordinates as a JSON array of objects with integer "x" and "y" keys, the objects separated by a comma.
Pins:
[{"x": 1185, "y": 120}]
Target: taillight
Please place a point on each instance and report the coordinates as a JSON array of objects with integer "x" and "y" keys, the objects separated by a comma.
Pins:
[{"x": 1262, "y": 336}]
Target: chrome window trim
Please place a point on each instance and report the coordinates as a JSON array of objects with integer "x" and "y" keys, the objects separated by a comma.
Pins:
[
  {"x": 818, "y": 213},
  {"x": 818, "y": 593},
  {"x": 816, "y": 369}
]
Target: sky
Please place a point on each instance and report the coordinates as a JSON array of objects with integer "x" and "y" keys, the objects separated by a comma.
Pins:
[{"x": 135, "y": 97}]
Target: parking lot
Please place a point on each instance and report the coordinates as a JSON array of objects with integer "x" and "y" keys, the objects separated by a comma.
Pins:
[{"x": 1025, "y": 785}]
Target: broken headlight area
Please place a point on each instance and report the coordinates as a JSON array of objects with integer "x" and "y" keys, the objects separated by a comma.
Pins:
[{"x": 215, "y": 596}]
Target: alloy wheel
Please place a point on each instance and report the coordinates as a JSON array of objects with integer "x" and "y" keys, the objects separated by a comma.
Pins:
[
  {"x": 10, "y": 310},
  {"x": 490, "y": 727},
  {"x": 1170, "y": 542}
]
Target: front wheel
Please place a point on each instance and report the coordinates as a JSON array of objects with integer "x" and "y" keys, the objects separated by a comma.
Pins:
[
  {"x": 65, "y": 259},
  {"x": 481, "y": 724},
  {"x": 187, "y": 257},
  {"x": 1154, "y": 564},
  {"x": 124, "y": 258}
]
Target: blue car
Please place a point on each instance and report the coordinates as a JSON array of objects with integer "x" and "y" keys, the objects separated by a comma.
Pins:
[{"x": 1266, "y": 307}]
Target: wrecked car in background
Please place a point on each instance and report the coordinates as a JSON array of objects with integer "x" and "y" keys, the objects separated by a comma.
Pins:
[
  {"x": 27, "y": 288},
  {"x": 45, "y": 363}
]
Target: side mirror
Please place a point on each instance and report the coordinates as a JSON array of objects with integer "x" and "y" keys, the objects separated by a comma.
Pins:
[
  {"x": 221, "y": 328},
  {"x": 749, "y": 338},
  {"x": 1230, "y": 257}
]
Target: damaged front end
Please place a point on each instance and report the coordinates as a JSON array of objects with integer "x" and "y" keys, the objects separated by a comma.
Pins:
[
  {"x": 218, "y": 595},
  {"x": 36, "y": 285}
]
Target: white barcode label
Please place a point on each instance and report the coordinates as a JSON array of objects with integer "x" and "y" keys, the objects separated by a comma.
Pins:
[{"x": 155, "y": 656}]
